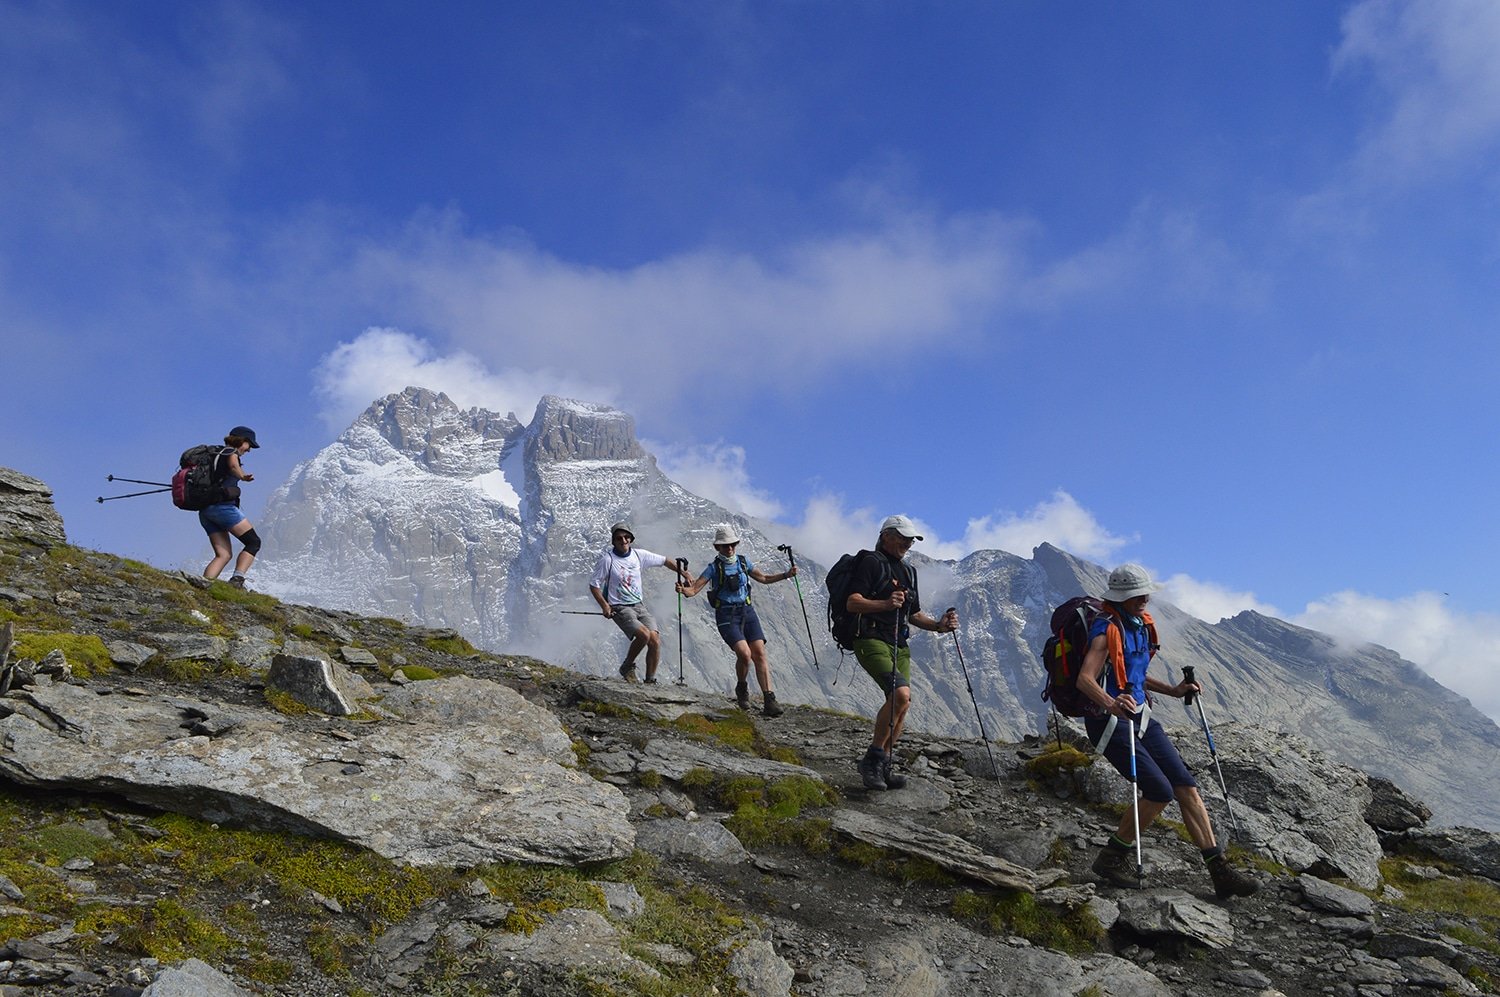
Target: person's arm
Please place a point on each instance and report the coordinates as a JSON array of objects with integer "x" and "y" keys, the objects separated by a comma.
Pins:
[
  {"x": 599, "y": 598},
  {"x": 1178, "y": 691},
  {"x": 766, "y": 579},
  {"x": 947, "y": 624},
  {"x": 1094, "y": 659},
  {"x": 693, "y": 587},
  {"x": 861, "y": 604},
  {"x": 682, "y": 576},
  {"x": 237, "y": 472}
]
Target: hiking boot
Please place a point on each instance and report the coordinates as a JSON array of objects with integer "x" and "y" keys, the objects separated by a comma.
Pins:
[
  {"x": 627, "y": 671},
  {"x": 1229, "y": 881},
  {"x": 742, "y": 696},
  {"x": 893, "y": 779},
  {"x": 871, "y": 769},
  {"x": 237, "y": 581},
  {"x": 771, "y": 707},
  {"x": 1115, "y": 867}
]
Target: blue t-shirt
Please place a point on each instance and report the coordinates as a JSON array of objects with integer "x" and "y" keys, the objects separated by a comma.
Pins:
[
  {"x": 1137, "y": 643},
  {"x": 736, "y": 588}
]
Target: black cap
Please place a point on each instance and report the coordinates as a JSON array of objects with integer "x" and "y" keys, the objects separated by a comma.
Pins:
[{"x": 245, "y": 433}]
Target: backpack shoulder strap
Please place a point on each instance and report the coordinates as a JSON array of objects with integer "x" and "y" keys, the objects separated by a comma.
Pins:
[{"x": 1114, "y": 637}]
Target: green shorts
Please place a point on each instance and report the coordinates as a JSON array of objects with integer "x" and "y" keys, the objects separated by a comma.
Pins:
[{"x": 874, "y": 656}]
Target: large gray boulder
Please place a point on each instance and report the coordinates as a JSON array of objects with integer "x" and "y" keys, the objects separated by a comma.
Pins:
[
  {"x": 1293, "y": 803},
  {"x": 26, "y": 510},
  {"x": 470, "y": 773}
]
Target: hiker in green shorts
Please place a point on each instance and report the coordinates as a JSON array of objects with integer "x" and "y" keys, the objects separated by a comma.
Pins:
[{"x": 884, "y": 592}]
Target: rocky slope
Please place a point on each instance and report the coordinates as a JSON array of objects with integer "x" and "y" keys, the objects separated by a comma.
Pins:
[
  {"x": 179, "y": 821},
  {"x": 475, "y": 521}
]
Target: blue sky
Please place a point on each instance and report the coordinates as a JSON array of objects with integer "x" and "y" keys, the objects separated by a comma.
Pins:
[{"x": 1209, "y": 287}]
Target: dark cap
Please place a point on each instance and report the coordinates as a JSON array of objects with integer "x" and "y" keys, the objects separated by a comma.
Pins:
[{"x": 245, "y": 433}]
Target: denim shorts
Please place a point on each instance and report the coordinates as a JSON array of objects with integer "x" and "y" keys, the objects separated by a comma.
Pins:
[
  {"x": 220, "y": 518},
  {"x": 739, "y": 623},
  {"x": 1160, "y": 770}
]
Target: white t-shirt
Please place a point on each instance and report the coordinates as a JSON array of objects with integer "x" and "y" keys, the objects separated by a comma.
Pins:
[{"x": 619, "y": 578}]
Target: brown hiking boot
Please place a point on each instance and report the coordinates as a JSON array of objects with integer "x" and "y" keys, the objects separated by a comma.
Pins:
[
  {"x": 1115, "y": 867},
  {"x": 771, "y": 707},
  {"x": 742, "y": 696},
  {"x": 237, "y": 581},
  {"x": 627, "y": 671},
  {"x": 1229, "y": 881}
]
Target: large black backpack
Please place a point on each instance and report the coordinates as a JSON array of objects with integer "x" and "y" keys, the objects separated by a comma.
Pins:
[
  {"x": 844, "y": 625},
  {"x": 199, "y": 481}
]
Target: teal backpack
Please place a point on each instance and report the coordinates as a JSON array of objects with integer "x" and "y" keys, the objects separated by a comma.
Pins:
[{"x": 740, "y": 579}]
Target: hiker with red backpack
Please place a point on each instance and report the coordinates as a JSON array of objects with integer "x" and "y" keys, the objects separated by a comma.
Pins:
[
  {"x": 728, "y": 578},
  {"x": 1121, "y": 643},
  {"x": 883, "y": 598},
  {"x": 221, "y": 518}
]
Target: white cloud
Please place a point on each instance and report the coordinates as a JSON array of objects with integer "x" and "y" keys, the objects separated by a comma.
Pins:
[
  {"x": 908, "y": 279},
  {"x": 1437, "y": 63},
  {"x": 1460, "y": 650},
  {"x": 1210, "y": 601},
  {"x": 380, "y": 361},
  {"x": 1059, "y": 520},
  {"x": 715, "y": 472}
]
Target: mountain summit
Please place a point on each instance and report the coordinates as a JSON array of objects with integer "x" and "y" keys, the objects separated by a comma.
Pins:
[{"x": 443, "y": 516}]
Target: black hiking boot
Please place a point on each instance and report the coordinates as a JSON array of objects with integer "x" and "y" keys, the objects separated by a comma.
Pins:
[
  {"x": 771, "y": 707},
  {"x": 1229, "y": 881},
  {"x": 237, "y": 581},
  {"x": 1115, "y": 867},
  {"x": 871, "y": 768},
  {"x": 742, "y": 696},
  {"x": 893, "y": 779},
  {"x": 627, "y": 671},
  {"x": 649, "y": 680}
]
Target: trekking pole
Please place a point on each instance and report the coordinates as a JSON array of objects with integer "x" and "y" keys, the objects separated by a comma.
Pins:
[
  {"x": 681, "y": 567},
  {"x": 1189, "y": 699},
  {"x": 137, "y": 481},
  {"x": 1135, "y": 809},
  {"x": 793, "y": 562},
  {"x": 581, "y": 612},
  {"x": 973, "y": 699},
  {"x": 110, "y": 498},
  {"x": 890, "y": 689}
]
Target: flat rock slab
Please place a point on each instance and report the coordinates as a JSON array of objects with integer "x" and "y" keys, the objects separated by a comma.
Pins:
[
  {"x": 661, "y": 701},
  {"x": 947, "y": 851},
  {"x": 471, "y": 772},
  {"x": 1172, "y": 912},
  {"x": 675, "y": 759}
]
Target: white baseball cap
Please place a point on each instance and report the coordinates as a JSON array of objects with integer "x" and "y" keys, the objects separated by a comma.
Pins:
[{"x": 901, "y": 525}]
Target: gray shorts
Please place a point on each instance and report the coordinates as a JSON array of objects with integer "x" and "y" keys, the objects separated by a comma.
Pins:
[{"x": 632, "y": 619}]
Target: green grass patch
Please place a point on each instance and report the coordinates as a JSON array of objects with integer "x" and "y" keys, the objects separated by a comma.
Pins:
[
  {"x": 85, "y": 652},
  {"x": 171, "y": 931},
  {"x": 1016, "y": 913},
  {"x": 259, "y": 603},
  {"x": 1058, "y": 759},
  {"x": 736, "y": 730},
  {"x": 608, "y": 709},
  {"x": 420, "y": 673},
  {"x": 285, "y": 703},
  {"x": 1461, "y": 896},
  {"x": 456, "y": 646}
]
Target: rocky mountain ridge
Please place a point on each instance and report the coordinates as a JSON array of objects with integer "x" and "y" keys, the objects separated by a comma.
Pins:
[
  {"x": 744, "y": 856},
  {"x": 476, "y": 521}
]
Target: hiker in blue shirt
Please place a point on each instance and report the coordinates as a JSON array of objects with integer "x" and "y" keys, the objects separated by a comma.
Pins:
[
  {"x": 1122, "y": 642},
  {"x": 728, "y": 576}
]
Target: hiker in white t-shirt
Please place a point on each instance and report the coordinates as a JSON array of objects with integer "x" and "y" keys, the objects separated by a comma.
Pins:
[{"x": 618, "y": 588}]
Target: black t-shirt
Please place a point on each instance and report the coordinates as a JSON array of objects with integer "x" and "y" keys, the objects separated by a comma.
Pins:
[{"x": 875, "y": 577}]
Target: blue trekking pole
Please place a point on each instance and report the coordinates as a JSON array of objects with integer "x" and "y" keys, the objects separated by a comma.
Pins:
[
  {"x": 1135, "y": 809},
  {"x": 1189, "y": 699}
]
